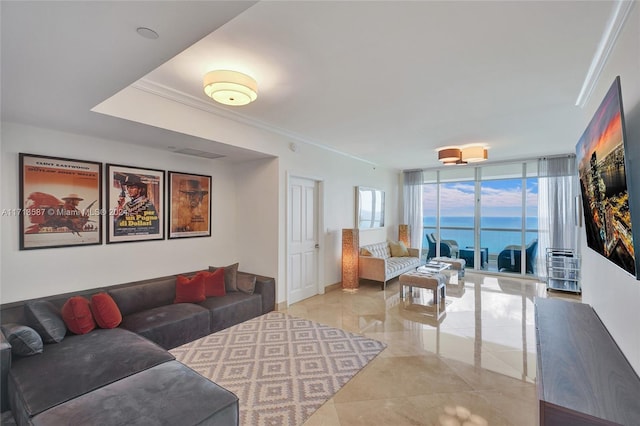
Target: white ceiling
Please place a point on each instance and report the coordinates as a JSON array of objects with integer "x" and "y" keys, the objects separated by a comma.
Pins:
[{"x": 387, "y": 82}]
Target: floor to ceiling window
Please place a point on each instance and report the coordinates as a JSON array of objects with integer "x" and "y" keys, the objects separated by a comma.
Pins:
[{"x": 486, "y": 215}]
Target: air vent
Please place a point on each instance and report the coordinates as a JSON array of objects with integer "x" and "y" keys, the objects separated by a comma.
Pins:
[{"x": 198, "y": 153}]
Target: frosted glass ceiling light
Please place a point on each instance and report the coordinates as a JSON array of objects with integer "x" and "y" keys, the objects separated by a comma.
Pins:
[{"x": 230, "y": 87}]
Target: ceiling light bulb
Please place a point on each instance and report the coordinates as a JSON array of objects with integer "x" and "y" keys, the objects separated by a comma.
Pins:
[{"x": 230, "y": 87}]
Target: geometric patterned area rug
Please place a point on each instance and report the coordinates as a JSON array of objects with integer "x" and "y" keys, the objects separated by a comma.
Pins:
[{"x": 281, "y": 368}]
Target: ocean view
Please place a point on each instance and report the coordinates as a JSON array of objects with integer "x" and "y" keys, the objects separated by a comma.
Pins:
[{"x": 495, "y": 232}]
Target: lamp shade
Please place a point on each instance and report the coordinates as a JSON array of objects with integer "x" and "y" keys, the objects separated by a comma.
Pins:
[
  {"x": 474, "y": 154},
  {"x": 449, "y": 155},
  {"x": 350, "y": 257},
  {"x": 230, "y": 87},
  {"x": 404, "y": 235}
]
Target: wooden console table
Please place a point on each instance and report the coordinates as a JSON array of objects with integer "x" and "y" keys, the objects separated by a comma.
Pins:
[{"x": 583, "y": 378}]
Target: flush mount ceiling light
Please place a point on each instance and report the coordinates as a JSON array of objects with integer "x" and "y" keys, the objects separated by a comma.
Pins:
[
  {"x": 452, "y": 155},
  {"x": 230, "y": 87},
  {"x": 449, "y": 156},
  {"x": 474, "y": 153}
]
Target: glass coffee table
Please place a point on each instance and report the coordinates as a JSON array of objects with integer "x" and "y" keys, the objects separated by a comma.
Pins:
[
  {"x": 444, "y": 268},
  {"x": 433, "y": 267}
]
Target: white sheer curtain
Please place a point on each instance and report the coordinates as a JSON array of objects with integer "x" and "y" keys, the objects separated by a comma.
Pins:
[
  {"x": 557, "y": 191},
  {"x": 412, "y": 193}
]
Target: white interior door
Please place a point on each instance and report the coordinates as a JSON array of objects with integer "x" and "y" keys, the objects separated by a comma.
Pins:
[{"x": 302, "y": 276}]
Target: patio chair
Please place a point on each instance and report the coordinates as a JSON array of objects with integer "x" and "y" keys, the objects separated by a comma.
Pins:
[
  {"x": 509, "y": 259},
  {"x": 448, "y": 248}
]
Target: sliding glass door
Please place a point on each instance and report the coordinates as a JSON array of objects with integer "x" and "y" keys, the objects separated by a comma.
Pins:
[{"x": 485, "y": 215}]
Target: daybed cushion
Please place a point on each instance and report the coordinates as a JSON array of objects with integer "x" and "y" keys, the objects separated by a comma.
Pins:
[
  {"x": 232, "y": 309},
  {"x": 171, "y": 325},
  {"x": 167, "y": 394},
  {"x": 77, "y": 365}
]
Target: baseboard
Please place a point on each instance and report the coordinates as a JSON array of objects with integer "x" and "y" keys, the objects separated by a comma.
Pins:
[
  {"x": 283, "y": 305},
  {"x": 332, "y": 287}
]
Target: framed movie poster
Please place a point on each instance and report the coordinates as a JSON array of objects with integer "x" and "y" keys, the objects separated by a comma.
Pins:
[
  {"x": 189, "y": 205},
  {"x": 61, "y": 202},
  {"x": 135, "y": 204}
]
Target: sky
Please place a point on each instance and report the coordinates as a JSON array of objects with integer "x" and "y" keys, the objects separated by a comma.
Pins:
[{"x": 499, "y": 198}]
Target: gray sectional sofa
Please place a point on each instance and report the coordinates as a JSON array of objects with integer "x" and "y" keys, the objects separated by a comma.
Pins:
[{"x": 126, "y": 375}]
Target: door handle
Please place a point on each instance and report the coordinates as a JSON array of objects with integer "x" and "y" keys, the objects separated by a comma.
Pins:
[{"x": 317, "y": 245}]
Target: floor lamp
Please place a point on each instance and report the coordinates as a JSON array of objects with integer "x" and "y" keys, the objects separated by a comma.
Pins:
[
  {"x": 350, "y": 253},
  {"x": 404, "y": 236}
]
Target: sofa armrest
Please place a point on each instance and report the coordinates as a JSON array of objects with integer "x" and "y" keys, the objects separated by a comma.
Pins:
[
  {"x": 5, "y": 366},
  {"x": 266, "y": 288},
  {"x": 372, "y": 268}
]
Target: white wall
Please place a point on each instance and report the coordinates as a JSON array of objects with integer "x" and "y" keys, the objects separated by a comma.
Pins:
[
  {"x": 34, "y": 273},
  {"x": 257, "y": 216},
  {"x": 614, "y": 294},
  {"x": 248, "y": 213},
  {"x": 338, "y": 173}
]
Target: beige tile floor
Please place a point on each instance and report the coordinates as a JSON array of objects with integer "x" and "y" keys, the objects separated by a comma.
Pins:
[{"x": 472, "y": 364}]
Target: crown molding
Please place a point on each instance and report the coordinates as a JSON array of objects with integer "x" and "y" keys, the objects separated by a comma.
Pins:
[
  {"x": 619, "y": 15},
  {"x": 194, "y": 102}
]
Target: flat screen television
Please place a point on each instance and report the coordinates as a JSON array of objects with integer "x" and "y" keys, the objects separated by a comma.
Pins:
[{"x": 604, "y": 183}]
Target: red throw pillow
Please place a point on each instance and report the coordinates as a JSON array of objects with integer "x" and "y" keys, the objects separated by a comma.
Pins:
[
  {"x": 77, "y": 315},
  {"x": 105, "y": 311},
  {"x": 189, "y": 290},
  {"x": 214, "y": 282}
]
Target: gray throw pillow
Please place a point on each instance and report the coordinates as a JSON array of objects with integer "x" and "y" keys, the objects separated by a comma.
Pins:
[
  {"x": 45, "y": 318},
  {"x": 230, "y": 276},
  {"x": 246, "y": 283},
  {"x": 24, "y": 341}
]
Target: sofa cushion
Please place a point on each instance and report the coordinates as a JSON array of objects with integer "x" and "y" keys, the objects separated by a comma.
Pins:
[
  {"x": 398, "y": 249},
  {"x": 232, "y": 309},
  {"x": 214, "y": 283},
  {"x": 398, "y": 265},
  {"x": 246, "y": 283},
  {"x": 171, "y": 325},
  {"x": 365, "y": 252},
  {"x": 105, "y": 311},
  {"x": 381, "y": 250},
  {"x": 167, "y": 394},
  {"x": 77, "y": 315},
  {"x": 24, "y": 341},
  {"x": 189, "y": 290},
  {"x": 77, "y": 365},
  {"x": 44, "y": 317},
  {"x": 230, "y": 276},
  {"x": 143, "y": 296}
]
